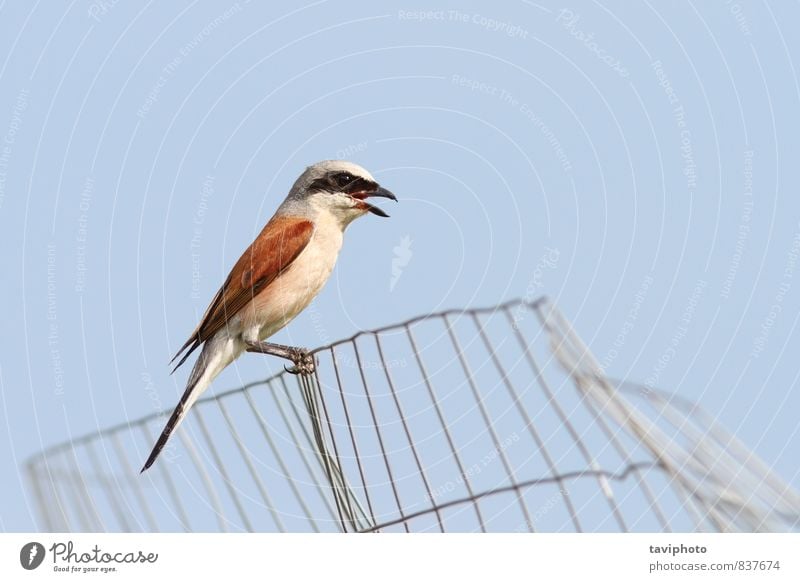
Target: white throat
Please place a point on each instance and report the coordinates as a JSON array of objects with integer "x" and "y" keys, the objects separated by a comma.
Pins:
[{"x": 327, "y": 208}]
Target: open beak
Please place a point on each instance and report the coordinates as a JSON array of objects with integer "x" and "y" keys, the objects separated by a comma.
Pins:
[{"x": 379, "y": 192}]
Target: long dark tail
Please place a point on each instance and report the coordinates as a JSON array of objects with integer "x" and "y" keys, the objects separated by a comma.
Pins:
[
  {"x": 215, "y": 356},
  {"x": 172, "y": 424}
]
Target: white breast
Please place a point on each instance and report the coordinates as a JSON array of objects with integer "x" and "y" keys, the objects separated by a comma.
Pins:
[{"x": 295, "y": 288}]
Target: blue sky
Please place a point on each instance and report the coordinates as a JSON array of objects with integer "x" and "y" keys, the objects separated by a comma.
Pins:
[{"x": 635, "y": 163}]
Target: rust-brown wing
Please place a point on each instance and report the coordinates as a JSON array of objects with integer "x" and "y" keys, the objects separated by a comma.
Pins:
[{"x": 275, "y": 248}]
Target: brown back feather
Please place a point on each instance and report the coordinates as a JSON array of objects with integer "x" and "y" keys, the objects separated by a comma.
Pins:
[{"x": 277, "y": 246}]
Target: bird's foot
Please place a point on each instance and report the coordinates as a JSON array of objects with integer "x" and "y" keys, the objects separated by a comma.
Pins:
[{"x": 304, "y": 362}]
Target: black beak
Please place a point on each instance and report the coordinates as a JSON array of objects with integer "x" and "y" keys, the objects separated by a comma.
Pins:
[
  {"x": 382, "y": 192},
  {"x": 379, "y": 192}
]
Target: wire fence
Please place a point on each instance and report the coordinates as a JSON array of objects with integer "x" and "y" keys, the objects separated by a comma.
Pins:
[{"x": 496, "y": 419}]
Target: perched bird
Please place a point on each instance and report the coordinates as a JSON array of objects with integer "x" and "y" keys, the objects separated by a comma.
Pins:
[{"x": 276, "y": 278}]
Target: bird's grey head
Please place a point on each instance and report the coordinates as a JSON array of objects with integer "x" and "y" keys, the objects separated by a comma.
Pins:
[{"x": 337, "y": 187}]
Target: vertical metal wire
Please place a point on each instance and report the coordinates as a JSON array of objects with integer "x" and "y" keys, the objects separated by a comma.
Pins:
[
  {"x": 64, "y": 515},
  {"x": 407, "y": 432},
  {"x": 152, "y": 526},
  {"x": 443, "y": 424},
  {"x": 245, "y": 454},
  {"x": 321, "y": 448},
  {"x": 529, "y": 423},
  {"x": 718, "y": 469},
  {"x": 352, "y": 435},
  {"x": 218, "y": 462},
  {"x": 87, "y": 508},
  {"x": 559, "y": 341},
  {"x": 379, "y": 437},
  {"x": 58, "y": 493},
  {"x": 356, "y": 511},
  {"x": 303, "y": 449},
  {"x": 279, "y": 457},
  {"x": 570, "y": 427},
  {"x": 117, "y": 507},
  {"x": 199, "y": 466},
  {"x": 485, "y": 415},
  {"x": 578, "y": 361},
  {"x": 41, "y": 500}
]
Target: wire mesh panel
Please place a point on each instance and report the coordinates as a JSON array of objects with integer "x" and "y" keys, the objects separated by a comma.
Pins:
[{"x": 485, "y": 420}]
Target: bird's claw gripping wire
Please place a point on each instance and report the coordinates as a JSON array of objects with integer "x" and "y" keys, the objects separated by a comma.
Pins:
[{"x": 304, "y": 362}]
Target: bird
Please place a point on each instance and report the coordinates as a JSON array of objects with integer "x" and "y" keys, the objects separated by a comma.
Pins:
[{"x": 276, "y": 277}]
